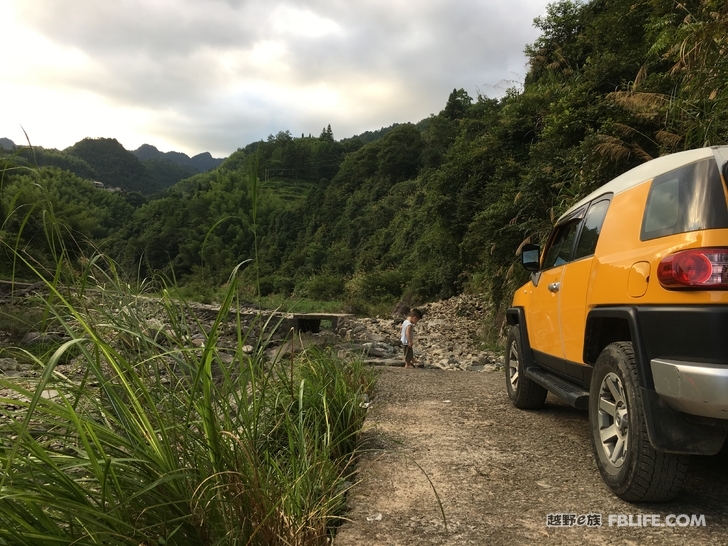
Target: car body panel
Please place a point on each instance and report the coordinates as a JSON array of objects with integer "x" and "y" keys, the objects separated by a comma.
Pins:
[{"x": 615, "y": 295}]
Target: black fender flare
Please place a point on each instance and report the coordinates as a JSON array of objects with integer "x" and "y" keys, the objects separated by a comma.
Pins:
[
  {"x": 516, "y": 316},
  {"x": 669, "y": 430}
]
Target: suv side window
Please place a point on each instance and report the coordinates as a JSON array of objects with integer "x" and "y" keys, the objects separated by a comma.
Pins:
[
  {"x": 687, "y": 199},
  {"x": 562, "y": 242},
  {"x": 591, "y": 230}
]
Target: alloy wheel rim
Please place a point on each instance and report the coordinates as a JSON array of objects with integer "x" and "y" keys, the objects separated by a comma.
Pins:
[
  {"x": 613, "y": 420},
  {"x": 513, "y": 366}
]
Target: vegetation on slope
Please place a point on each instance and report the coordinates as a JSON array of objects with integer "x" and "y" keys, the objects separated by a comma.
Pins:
[{"x": 428, "y": 210}]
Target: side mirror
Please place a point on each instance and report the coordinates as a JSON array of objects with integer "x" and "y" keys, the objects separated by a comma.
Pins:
[{"x": 530, "y": 255}]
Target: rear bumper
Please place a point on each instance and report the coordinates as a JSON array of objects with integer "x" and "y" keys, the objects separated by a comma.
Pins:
[{"x": 694, "y": 388}]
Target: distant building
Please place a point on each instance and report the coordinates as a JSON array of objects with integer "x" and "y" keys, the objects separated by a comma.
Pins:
[{"x": 98, "y": 184}]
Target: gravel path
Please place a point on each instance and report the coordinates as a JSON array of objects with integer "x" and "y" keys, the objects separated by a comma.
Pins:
[{"x": 499, "y": 472}]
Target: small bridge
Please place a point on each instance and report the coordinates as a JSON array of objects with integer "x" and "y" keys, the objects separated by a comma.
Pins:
[{"x": 311, "y": 322}]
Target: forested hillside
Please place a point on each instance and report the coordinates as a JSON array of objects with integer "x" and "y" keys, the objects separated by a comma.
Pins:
[
  {"x": 432, "y": 209},
  {"x": 146, "y": 170}
]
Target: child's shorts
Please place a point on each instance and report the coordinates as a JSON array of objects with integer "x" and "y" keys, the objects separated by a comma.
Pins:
[{"x": 409, "y": 354}]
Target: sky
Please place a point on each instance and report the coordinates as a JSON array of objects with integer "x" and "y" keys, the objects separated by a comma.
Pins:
[{"x": 215, "y": 75}]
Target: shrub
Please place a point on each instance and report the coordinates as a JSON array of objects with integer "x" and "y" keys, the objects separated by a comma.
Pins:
[
  {"x": 323, "y": 287},
  {"x": 377, "y": 286}
]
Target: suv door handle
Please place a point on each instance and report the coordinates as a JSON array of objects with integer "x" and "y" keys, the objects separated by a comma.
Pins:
[{"x": 554, "y": 286}]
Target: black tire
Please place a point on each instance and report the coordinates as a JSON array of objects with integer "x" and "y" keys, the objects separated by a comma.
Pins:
[
  {"x": 523, "y": 392},
  {"x": 628, "y": 463}
]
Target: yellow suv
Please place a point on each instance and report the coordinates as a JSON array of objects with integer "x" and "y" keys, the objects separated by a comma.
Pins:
[{"x": 626, "y": 315}]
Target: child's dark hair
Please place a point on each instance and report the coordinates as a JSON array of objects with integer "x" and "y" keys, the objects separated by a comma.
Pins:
[{"x": 416, "y": 313}]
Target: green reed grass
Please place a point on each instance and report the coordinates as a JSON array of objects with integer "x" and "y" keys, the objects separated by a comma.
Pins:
[{"x": 155, "y": 441}]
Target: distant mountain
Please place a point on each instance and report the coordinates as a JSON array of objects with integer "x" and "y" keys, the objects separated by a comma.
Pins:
[
  {"x": 115, "y": 166},
  {"x": 202, "y": 162},
  {"x": 147, "y": 170}
]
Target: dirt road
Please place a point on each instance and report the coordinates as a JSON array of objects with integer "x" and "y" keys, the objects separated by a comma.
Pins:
[{"x": 499, "y": 472}]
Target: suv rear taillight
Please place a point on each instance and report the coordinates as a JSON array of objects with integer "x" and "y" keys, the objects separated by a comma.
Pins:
[{"x": 695, "y": 268}]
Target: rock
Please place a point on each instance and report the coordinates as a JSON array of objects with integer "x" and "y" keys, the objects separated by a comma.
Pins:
[
  {"x": 225, "y": 358},
  {"x": 444, "y": 338},
  {"x": 198, "y": 340},
  {"x": 154, "y": 327},
  {"x": 49, "y": 394},
  {"x": 38, "y": 338},
  {"x": 9, "y": 365},
  {"x": 374, "y": 351}
]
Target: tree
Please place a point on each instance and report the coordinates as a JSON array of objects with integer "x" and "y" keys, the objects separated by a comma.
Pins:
[
  {"x": 697, "y": 47},
  {"x": 457, "y": 104},
  {"x": 327, "y": 134},
  {"x": 400, "y": 153}
]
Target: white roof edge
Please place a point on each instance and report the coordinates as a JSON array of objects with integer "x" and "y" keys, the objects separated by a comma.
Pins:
[{"x": 648, "y": 171}]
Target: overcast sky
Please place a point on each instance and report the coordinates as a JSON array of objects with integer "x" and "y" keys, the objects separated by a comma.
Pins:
[{"x": 215, "y": 75}]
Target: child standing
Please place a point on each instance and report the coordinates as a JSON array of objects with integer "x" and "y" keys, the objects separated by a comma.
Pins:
[{"x": 408, "y": 336}]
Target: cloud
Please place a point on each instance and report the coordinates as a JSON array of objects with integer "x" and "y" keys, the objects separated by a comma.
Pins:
[{"x": 219, "y": 74}]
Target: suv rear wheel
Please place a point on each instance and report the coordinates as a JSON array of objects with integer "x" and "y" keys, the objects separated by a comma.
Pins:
[
  {"x": 628, "y": 463},
  {"x": 523, "y": 392}
]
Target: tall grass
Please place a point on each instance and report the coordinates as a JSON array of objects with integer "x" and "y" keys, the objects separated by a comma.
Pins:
[{"x": 157, "y": 441}]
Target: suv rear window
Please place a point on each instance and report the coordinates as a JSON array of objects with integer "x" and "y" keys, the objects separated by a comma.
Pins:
[{"x": 690, "y": 198}]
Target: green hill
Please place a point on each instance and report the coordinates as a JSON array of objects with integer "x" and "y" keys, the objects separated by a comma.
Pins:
[{"x": 114, "y": 165}]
